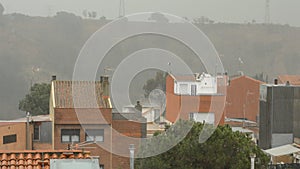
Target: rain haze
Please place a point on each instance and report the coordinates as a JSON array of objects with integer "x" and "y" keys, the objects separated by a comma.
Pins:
[{"x": 150, "y": 84}]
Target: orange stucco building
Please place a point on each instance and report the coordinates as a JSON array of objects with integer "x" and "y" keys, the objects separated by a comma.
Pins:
[
  {"x": 182, "y": 106},
  {"x": 239, "y": 101},
  {"x": 242, "y": 100}
]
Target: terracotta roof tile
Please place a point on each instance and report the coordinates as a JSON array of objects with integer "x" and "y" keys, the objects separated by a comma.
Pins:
[
  {"x": 86, "y": 92},
  {"x": 293, "y": 79},
  {"x": 246, "y": 77},
  {"x": 36, "y": 159}
]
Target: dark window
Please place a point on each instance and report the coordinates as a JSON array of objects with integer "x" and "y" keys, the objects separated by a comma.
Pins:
[
  {"x": 101, "y": 166},
  {"x": 10, "y": 139},
  {"x": 193, "y": 90},
  {"x": 94, "y": 135},
  {"x": 192, "y": 116},
  {"x": 36, "y": 132},
  {"x": 70, "y": 135}
]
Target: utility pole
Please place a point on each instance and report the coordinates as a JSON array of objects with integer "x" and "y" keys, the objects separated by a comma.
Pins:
[
  {"x": 131, "y": 151},
  {"x": 267, "y": 12},
  {"x": 122, "y": 8},
  {"x": 252, "y": 157}
]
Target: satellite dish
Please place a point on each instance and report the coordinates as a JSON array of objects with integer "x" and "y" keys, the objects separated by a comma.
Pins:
[{"x": 157, "y": 99}]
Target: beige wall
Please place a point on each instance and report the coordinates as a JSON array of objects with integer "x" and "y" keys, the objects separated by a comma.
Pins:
[{"x": 14, "y": 128}]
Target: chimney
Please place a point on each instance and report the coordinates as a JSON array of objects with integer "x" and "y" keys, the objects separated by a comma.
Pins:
[
  {"x": 276, "y": 81},
  {"x": 53, "y": 77},
  {"x": 287, "y": 83},
  {"x": 138, "y": 107},
  {"x": 105, "y": 91},
  {"x": 105, "y": 85}
]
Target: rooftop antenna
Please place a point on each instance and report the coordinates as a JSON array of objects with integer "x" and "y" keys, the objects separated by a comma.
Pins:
[
  {"x": 169, "y": 66},
  {"x": 241, "y": 62},
  {"x": 122, "y": 8},
  {"x": 267, "y": 12}
]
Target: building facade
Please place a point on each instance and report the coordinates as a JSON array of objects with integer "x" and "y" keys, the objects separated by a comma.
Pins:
[
  {"x": 14, "y": 133},
  {"x": 242, "y": 100},
  {"x": 195, "y": 97},
  {"x": 83, "y": 119},
  {"x": 279, "y": 119}
]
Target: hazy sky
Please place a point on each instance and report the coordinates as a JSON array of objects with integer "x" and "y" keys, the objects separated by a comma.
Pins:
[{"x": 281, "y": 11}]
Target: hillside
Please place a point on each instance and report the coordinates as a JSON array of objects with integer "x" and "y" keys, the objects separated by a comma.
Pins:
[{"x": 52, "y": 44}]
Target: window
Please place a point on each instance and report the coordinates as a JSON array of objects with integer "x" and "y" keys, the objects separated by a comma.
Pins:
[
  {"x": 192, "y": 116},
  {"x": 101, "y": 166},
  {"x": 70, "y": 135},
  {"x": 193, "y": 90},
  {"x": 94, "y": 135},
  {"x": 9, "y": 139},
  {"x": 36, "y": 132}
]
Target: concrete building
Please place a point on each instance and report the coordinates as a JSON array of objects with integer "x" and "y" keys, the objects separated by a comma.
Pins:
[
  {"x": 151, "y": 113},
  {"x": 82, "y": 113},
  {"x": 195, "y": 97},
  {"x": 279, "y": 119}
]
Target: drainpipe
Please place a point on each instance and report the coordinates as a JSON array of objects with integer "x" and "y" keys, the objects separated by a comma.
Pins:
[{"x": 27, "y": 131}]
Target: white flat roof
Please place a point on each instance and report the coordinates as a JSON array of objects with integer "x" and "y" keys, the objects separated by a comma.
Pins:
[
  {"x": 241, "y": 129},
  {"x": 282, "y": 150}
]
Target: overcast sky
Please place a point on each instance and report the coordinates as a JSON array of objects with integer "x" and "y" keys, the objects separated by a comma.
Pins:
[{"x": 281, "y": 11}]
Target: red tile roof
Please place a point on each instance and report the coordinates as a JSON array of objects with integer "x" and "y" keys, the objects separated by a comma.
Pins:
[
  {"x": 39, "y": 118},
  {"x": 37, "y": 159},
  {"x": 293, "y": 79},
  {"x": 88, "y": 94},
  {"x": 246, "y": 77}
]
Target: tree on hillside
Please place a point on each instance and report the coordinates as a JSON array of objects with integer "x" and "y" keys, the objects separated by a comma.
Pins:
[
  {"x": 224, "y": 149},
  {"x": 37, "y": 101},
  {"x": 159, "y": 82}
]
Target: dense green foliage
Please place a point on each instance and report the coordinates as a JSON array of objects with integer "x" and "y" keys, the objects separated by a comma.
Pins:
[
  {"x": 37, "y": 101},
  {"x": 225, "y": 149}
]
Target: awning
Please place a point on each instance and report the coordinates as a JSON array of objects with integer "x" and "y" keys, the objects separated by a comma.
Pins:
[{"x": 282, "y": 150}]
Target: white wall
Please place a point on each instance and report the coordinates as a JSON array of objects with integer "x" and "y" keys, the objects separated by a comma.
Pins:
[
  {"x": 204, "y": 85},
  {"x": 200, "y": 117}
]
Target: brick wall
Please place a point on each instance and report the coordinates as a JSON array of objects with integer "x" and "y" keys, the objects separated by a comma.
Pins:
[
  {"x": 14, "y": 128},
  {"x": 86, "y": 116},
  {"x": 121, "y": 127},
  {"x": 41, "y": 146}
]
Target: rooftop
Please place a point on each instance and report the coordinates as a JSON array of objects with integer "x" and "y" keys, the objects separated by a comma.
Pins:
[
  {"x": 88, "y": 94},
  {"x": 37, "y": 158},
  {"x": 245, "y": 77},
  {"x": 293, "y": 79},
  {"x": 39, "y": 118}
]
